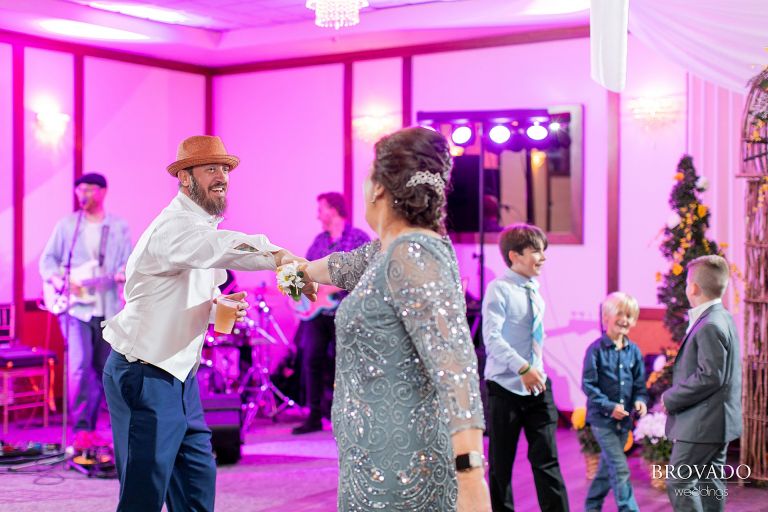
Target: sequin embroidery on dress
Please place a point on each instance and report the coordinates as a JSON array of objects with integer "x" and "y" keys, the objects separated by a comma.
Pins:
[{"x": 406, "y": 375}]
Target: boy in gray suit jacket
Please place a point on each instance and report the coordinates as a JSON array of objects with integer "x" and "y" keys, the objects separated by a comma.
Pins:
[{"x": 704, "y": 402}]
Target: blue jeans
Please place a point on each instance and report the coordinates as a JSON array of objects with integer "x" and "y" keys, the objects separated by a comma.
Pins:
[{"x": 613, "y": 472}]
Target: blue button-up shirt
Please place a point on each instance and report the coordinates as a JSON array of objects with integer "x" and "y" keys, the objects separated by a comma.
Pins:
[
  {"x": 507, "y": 331},
  {"x": 612, "y": 376},
  {"x": 323, "y": 245}
]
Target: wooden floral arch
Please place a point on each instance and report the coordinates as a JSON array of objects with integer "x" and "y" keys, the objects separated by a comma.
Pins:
[{"x": 754, "y": 152}]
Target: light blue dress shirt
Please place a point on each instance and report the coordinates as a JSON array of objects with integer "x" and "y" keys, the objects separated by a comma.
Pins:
[
  {"x": 118, "y": 247},
  {"x": 507, "y": 325}
]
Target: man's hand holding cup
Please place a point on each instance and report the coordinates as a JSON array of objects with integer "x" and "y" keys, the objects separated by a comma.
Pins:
[{"x": 229, "y": 309}]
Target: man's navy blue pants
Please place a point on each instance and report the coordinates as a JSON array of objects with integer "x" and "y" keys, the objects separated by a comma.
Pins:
[{"x": 162, "y": 444}]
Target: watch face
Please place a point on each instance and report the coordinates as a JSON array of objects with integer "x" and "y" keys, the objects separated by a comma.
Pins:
[{"x": 467, "y": 461}]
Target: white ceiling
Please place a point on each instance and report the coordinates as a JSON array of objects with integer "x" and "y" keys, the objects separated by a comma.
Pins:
[
  {"x": 228, "y": 32},
  {"x": 225, "y": 15}
]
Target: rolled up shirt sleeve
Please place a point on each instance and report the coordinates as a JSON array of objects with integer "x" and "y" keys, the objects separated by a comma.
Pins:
[{"x": 181, "y": 244}]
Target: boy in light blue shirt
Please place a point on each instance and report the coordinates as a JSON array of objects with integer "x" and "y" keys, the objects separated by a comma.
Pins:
[{"x": 519, "y": 393}]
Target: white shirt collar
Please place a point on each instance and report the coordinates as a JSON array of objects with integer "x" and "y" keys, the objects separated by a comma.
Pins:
[
  {"x": 695, "y": 313},
  {"x": 188, "y": 204}
]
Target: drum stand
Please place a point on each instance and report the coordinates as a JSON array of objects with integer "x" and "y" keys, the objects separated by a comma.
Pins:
[{"x": 264, "y": 396}]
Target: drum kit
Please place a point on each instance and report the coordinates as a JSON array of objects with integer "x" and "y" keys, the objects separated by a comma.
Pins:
[{"x": 240, "y": 363}]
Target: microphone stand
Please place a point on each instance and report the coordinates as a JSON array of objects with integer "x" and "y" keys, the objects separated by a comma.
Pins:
[
  {"x": 65, "y": 351},
  {"x": 62, "y": 456}
]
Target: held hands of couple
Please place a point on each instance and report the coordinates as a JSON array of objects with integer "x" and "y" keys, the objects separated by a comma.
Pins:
[{"x": 310, "y": 288}]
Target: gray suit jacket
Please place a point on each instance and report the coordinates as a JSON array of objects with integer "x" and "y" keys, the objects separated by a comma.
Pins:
[{"x": 704, "y": 402}]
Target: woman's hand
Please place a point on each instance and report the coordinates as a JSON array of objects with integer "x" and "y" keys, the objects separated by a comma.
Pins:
[
  {"x": 473, "y": 491},
  {"x": 310, "y": 289}
]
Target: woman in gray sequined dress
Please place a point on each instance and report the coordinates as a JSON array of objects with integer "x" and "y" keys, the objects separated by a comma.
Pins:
[{"x": 406, "y": 400}]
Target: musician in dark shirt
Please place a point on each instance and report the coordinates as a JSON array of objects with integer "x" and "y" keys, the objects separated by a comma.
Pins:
[{"x": 318, "y": 334}]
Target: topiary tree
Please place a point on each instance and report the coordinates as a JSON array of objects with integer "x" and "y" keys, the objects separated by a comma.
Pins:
[{"x": 685, "y": 240}]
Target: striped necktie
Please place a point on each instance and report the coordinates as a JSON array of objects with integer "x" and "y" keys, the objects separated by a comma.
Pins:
[{"x": 537, "y": 325}]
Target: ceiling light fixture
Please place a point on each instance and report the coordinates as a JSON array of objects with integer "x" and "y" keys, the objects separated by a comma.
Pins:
[
  {"x": 89, "y": 31},
  {"x": 336, "y": 13}
]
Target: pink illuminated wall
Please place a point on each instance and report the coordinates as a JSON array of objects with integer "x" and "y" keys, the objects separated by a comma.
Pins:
[
  {"x": 714, "y": 138},
  {"x": 650, "y": 152},
  {"x": 376, "y": 111},
  {"x": 49, "y": 160},
  {"x": 538, "y": 76},
  {"x": 135, "y": 117},
  {"x": 6, "y": 174},
  {"x": 286, "y": 127}
]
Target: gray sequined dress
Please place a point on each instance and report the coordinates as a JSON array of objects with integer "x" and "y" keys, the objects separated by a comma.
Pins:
[{"x": 406, "y": 375}]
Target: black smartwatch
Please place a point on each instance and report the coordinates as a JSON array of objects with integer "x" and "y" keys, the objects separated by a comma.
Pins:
[{"x": 469, "y": 461}]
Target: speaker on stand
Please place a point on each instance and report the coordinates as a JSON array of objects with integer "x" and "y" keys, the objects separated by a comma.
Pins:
[{"x": 223, "y": 416}]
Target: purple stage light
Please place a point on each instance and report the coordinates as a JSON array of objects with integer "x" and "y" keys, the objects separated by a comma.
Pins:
[
  {"x": 499, "y": 134},
  {"x": 461, "y": 135},
  {"x": 536, "y": 132}
]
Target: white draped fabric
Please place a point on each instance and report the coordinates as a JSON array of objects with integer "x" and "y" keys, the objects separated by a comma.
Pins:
[
  {"x": 608, "y": 44},
  {"x": 721, "y": 41}
]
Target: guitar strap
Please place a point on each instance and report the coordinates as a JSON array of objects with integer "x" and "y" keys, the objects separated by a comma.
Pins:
[{"x": 103, "y": 243}]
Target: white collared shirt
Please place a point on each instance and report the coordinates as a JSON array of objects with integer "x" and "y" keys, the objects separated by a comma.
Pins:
[
  {"x": 172, "y": 276},
  {"x": 695, "y": 313}
]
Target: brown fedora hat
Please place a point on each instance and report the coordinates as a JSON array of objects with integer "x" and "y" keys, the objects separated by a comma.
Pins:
[{"x": 201, "y": 150}]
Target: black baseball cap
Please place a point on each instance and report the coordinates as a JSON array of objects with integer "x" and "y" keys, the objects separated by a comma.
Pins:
[{"x": 92, "y": 178}]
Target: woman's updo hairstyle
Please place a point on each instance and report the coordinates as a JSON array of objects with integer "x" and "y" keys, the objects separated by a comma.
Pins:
[{"x": 414, "y": 166}]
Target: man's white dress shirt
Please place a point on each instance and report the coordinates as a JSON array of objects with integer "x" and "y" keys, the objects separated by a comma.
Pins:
[
  {"x": 172, "y": 276},
  {"x": 695, "y": 313}
]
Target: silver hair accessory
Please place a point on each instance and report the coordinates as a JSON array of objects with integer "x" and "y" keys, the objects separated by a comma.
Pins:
[{"x": 432, "y": 179}]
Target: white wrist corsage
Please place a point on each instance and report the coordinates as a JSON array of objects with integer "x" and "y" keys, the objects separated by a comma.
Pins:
[{"x": 290, "y": 280}]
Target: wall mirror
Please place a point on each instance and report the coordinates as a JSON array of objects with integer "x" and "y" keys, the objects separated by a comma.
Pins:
[{"x": 514, "y": 166}]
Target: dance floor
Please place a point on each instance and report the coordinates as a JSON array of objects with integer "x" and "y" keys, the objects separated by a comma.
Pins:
[{"x": 284, "y": 473}]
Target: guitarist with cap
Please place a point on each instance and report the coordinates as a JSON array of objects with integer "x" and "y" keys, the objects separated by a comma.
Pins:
[
  {"x": 95, "y": 246},
  {"x": 317, "y": 332}
]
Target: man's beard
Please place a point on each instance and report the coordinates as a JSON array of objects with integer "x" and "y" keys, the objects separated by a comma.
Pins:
[{"x": 213, "y": 206}]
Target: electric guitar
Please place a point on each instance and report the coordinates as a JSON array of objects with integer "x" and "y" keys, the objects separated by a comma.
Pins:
[
  {"x": 84, "y": 282},
  {"x": 327, "y": 300}
]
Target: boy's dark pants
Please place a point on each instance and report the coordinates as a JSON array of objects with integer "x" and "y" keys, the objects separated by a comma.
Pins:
[{"x": 537, "y": 417}]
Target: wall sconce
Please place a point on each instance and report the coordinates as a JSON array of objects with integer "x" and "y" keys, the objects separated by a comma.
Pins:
[
  {"x": 655, "y": 111},
  {"x": 373, "y": 127},
  {"x": 51, "y": 123}
]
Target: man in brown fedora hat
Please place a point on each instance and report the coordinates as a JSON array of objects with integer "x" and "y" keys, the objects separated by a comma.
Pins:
[{"x": 162, "y": 443}]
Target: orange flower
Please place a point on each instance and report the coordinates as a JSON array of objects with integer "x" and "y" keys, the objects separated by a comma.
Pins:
[
  {"x": 658, "y": 277},
  {"x": 701, "y": 211},
  {"x": 579, "y": 418},
  {"x": 677, "y": 269},
  {"x": 630, "y": 442},
  {"x": 679, "y": 176}
]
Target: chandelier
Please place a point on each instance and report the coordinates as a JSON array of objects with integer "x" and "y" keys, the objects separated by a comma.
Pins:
[{"x": 336, "y": 13}]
